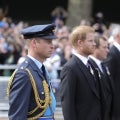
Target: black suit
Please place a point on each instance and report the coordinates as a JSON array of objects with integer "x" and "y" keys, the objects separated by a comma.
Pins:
[
  {"x": 113, "y": 62},
  {"x": 106, "y": 88},
  {"x": 79, "y": 96}
]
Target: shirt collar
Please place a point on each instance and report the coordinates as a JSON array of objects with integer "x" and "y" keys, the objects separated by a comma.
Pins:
[
  {"x": 82, "y": 58},
  {"x": 97, "y": 61},
  {"x": 38, "y": 63}
]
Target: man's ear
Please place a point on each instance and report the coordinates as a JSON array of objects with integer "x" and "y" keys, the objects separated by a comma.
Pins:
[
  {"x": 34, "y": 43},
  {"x": 79, "y": 42}
]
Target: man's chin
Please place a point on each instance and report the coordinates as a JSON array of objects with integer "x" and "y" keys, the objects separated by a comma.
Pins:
[{"x": 48, "y": 56}]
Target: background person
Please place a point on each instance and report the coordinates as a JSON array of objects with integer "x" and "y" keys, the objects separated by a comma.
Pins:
[
  {"x": 113, "y": 63},
  {"x": 106, "y": 85}
]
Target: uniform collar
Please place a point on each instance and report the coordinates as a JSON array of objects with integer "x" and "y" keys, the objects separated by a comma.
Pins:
[{"x": 38, "y": 63}]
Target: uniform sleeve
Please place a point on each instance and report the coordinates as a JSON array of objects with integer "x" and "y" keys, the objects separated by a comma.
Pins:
[{"x": 19, "y": 96}]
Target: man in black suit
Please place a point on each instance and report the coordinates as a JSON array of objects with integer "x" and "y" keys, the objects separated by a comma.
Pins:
[
  {"x": 80, "y": 98},
  {"x": 106, "y": 86},
  {"x": 113, "y": 63}
]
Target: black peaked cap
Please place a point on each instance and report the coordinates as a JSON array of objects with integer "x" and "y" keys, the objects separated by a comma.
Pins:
[{"x": 42, "y": 31}]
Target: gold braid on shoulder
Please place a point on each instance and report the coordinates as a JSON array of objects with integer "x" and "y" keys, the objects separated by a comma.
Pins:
[
  {"x": 41, "y": 104},
  {"x": 10, "y": 82}
]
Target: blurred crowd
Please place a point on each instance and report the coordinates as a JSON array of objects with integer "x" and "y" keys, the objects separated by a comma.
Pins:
[{"x": 13, "y": 47}]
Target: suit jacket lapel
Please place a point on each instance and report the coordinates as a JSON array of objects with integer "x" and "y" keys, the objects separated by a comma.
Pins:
[
  {"x": 103, "y": 78},
  {"x": 109, "y": 79},
  {"x": 116, "y": 50},
  {"x": 87, "y": 75}
]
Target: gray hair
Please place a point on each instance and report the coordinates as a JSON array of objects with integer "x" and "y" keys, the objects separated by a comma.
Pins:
[{"x": 116, "y": 30}]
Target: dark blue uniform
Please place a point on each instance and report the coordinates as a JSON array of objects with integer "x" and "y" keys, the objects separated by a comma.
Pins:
[
  {"x": 22, "y": 88},
  {"x": 30, "y": 92}
]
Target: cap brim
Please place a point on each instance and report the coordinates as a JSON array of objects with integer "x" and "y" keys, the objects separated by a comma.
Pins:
[{"x": 49, "y": 37}]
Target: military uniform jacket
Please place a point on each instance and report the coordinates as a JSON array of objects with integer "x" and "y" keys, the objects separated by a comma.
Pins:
[{"x": 21, "y": 98}]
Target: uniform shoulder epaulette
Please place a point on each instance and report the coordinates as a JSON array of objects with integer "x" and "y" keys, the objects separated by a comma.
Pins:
[{"x": 23, "y": 65}]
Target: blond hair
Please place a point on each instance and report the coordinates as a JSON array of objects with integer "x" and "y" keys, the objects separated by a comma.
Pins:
[{"x": 79, "y": 33}]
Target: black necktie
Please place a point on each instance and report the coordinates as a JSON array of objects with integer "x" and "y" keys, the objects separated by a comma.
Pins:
[
  {"x": 103, "y": 67},
  {"x": 90, "y": 68},
  {"x": 94, "y": 73},
  {"x": 105, "y": 70},
  {"x": 43, "y": 70}
]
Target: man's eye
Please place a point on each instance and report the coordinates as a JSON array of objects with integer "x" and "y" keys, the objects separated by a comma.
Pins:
[{"x": 49, "y": 41}]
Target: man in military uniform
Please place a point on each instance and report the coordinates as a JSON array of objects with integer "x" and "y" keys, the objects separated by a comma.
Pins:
[{"x": 29, "y": 88}]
